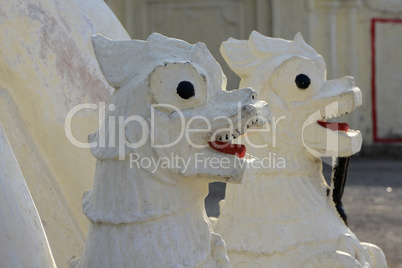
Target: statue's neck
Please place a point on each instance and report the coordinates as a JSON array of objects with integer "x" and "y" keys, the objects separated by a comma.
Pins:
[
  {"x": 128, "y": 194},
  {"x": 278, "y": 155},
  {"x": 293, "y": 192}
]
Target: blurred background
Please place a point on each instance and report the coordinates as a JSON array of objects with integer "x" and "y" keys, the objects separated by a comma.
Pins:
[
  {"x": 360, "y": 38},
  {"x": 357, "y": 38}
]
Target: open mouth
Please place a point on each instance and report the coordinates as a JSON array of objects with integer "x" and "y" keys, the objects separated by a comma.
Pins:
[
  {"x": 335, "y": 126},
  {"x": 223, "y": 140},
  {"x": 326, "y": 137},
  {"x": 228, "y": 148},
  {"x": 339, "y": 141}
]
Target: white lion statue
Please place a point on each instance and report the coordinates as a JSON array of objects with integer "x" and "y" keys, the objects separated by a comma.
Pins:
[
  {"x": 170, "y": 115},
  {"x": 286, "y": 216}
]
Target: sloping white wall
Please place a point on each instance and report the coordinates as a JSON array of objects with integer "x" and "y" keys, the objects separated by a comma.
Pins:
[
  {"x": 47, "y": 66},
  {"x": 23, "y": 242}
]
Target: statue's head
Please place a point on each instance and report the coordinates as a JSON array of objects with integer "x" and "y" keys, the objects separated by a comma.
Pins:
[
  {"x": 170, "y": 101},
  {"x": 291, "y": 77}
]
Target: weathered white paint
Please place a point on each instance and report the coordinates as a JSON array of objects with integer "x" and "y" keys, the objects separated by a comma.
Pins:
[
  {"x": 48, "y": 66},
  {"x": 284, "y": 218},
  {"x": 145, "y": 217},
  {"x": 23, "y": 241}
]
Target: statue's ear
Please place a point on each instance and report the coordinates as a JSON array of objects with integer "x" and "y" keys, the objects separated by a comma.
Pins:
[
  {"x": 117, "y": 58},
  {"x": 237, "y": 55},
  {"x": 243, "y": 56},
  {"x": 298, "y": 44},
  {"x": 298, "y": 38}
]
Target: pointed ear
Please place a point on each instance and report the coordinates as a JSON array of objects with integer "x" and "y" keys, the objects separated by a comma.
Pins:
[
  {"x": 116, "y": 58},
  {"x": 298, "y": 38},
  {"x": 298, "y": 44},
  {"x": 238, "y": 56},
  {"x": 260, "y": 44}
]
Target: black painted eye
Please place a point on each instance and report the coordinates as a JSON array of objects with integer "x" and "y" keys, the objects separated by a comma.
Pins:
[
  {"x": 185, "y": 90},
  {"x": 302, "y": 81}
]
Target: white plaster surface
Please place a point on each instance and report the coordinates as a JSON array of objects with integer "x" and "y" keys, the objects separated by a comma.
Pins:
[
  {"x": 284, "y": 217},
  {"x": 23, "y": 241},
  {"x": 48, "y": 66},
  {"x": 145, "y": 217}
]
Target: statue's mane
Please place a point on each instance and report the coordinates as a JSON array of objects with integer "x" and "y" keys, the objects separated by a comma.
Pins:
[
  {"x": 121, "y": 60},
  {"x": 245, "y": 56}
]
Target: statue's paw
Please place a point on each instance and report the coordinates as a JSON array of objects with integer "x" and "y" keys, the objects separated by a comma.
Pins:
[{"x": 377, "y": 255}]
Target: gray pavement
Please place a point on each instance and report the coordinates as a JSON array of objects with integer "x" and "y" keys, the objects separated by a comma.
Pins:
[{"x": 372, "y": 200}]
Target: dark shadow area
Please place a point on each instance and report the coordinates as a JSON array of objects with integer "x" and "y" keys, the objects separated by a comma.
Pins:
[
  {"x": 216, "y": 194},
  {"x": 375, "y": 172}
]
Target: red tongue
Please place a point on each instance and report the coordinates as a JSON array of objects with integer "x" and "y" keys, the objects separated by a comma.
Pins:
[
  {"x": 228, "y": 148},
  {"x": 334, "y": 126}
]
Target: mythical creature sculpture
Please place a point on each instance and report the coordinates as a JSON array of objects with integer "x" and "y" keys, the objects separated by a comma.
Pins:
[
  {"x": 286, "y": 217},
  {"x": 170, "y": 115}
]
